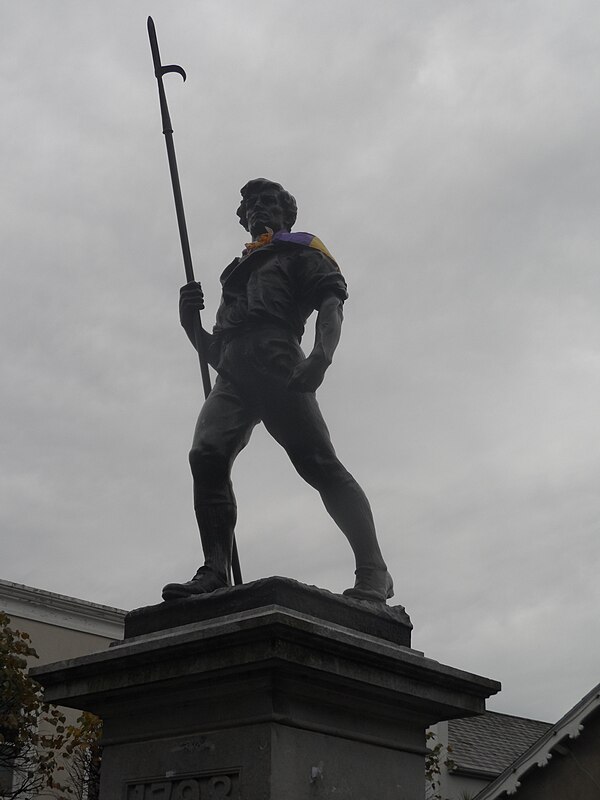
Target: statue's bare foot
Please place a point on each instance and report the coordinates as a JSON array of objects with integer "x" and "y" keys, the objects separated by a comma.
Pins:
[
  {"x": 203, "y": 582},
  {"x": 372, "y": 584}
]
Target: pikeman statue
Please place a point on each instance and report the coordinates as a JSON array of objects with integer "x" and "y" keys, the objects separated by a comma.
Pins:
[{"x": 263, "y": 376}]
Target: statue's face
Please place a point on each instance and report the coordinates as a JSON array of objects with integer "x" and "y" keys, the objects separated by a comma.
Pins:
[{"x": 264, "y": 210}]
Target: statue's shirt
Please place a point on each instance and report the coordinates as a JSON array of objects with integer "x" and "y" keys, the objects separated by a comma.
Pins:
[
  {"x": 267, "y": 297},
  {"x": 279, "y": 285}
]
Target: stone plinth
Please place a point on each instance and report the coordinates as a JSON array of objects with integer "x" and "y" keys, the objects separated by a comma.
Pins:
[{"x": 269, "y": 691}]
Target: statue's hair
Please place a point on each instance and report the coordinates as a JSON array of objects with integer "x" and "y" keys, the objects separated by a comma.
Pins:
[{"x": 257, "y": 185}]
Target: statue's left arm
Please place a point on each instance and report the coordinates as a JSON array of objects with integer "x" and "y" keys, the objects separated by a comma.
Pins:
[{"x": 309, "y": 374}]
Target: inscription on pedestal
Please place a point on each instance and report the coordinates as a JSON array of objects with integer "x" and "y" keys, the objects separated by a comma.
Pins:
[{"x": 202, "y": 786}]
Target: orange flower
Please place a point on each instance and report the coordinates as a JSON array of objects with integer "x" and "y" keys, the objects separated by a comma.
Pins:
[{"x": 262, "y": 240}]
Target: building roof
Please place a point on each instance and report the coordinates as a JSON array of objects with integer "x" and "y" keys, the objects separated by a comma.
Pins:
[
  {"x": 27, "y": 602},
  {"x": 485, "y": 745},
  {"x": 539, "y": 754}
]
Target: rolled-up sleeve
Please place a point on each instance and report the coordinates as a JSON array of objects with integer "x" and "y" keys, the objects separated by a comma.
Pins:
[{"x": 320, "y": 277}]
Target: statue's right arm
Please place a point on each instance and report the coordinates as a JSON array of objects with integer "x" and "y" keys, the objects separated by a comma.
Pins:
[{"x": 191, "y": 301}]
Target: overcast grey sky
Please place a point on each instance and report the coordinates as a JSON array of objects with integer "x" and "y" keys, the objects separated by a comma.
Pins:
[{"x": 448, "y": 155}]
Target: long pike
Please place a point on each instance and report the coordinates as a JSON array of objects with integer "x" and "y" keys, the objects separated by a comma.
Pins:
[{"x": 159, "y": 71}]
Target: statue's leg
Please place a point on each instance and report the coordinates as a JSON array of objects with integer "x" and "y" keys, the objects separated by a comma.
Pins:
[
  {"x": 294, "y": 419},
  {"x": 222, "y": 431}
]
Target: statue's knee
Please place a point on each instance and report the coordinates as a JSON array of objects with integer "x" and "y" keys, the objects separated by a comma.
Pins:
[
  {"x": 318, "y": 468},
  {"x": 207, "y": 464}
]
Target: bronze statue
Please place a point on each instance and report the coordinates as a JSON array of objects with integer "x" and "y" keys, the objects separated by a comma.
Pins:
[{"x": 263, "y": 376}]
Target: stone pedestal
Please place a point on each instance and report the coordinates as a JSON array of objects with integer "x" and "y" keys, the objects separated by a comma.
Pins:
[{"x": 269, "y": 691}]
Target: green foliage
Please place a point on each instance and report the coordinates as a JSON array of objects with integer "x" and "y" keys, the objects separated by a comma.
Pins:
[
  {"x": 83, "y": 756},
  {"x": 437, "y": 758},
  {"x": 43, "y": 751},
  {"x": 23, "y": 749}
]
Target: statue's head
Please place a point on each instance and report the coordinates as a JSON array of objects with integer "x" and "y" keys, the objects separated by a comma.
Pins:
[{"x": 266, "y": 204}]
